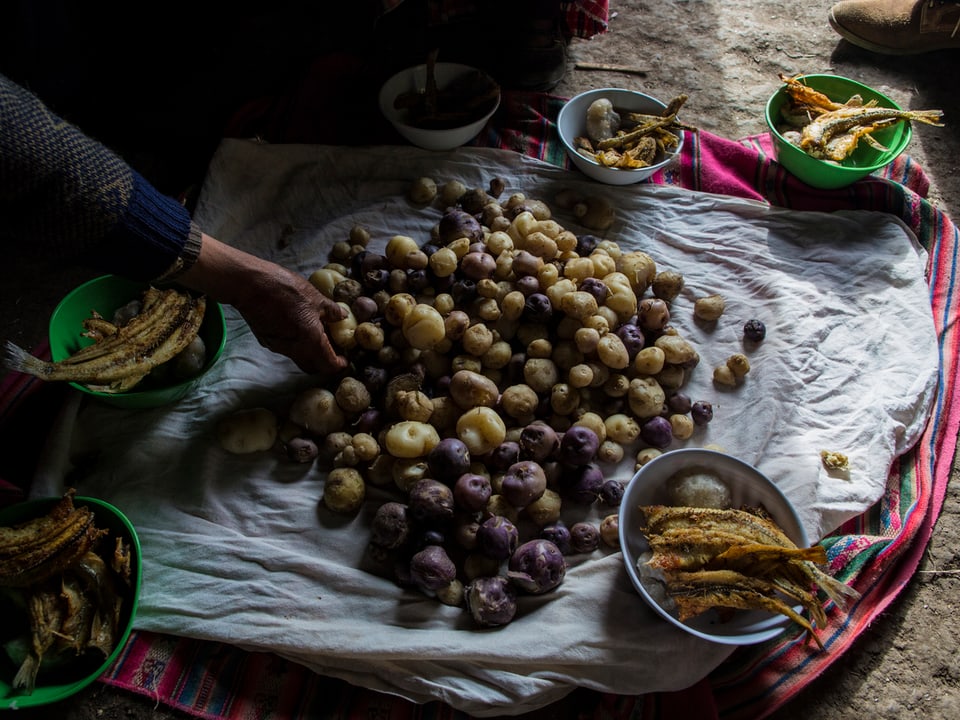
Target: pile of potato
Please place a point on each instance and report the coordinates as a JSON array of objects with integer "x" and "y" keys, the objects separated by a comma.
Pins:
[{"x": 480, "y": 346}]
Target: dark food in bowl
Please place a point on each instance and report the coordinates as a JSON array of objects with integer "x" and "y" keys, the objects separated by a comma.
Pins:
[{"x": 463, "y": 100}]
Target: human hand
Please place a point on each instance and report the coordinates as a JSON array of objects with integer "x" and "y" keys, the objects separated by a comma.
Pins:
[{"x": 286, "y": 313}]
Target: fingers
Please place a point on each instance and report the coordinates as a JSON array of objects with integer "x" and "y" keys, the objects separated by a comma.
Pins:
[{"x": 330, "y": 310}]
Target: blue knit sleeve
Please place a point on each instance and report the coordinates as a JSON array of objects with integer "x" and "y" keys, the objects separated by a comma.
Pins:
[{"x": 68, "y": 196}]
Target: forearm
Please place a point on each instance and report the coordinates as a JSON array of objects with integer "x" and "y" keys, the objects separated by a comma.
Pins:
[{"x": 65, "y": 195}]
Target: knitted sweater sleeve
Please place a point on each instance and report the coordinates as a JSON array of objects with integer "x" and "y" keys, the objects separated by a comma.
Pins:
[{"x": 66, "y": 195}]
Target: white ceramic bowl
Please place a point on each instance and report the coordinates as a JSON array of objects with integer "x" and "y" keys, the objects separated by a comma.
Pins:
[
  {"x": 748, "y": 486},
  {"x": 572, "y": 122},
  {"x": 414, "y": 79}
]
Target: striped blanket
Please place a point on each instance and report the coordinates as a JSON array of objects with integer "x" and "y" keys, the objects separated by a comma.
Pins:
[{"x": 877, "y": 552}]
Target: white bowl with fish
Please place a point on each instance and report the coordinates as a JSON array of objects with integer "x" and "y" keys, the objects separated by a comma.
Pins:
[
  {"x": 619, "y": 136},
  {"x": 709, "y": 542}
]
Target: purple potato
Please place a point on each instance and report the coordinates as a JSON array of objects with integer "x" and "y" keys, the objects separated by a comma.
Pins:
[
  {"x": 471, "y": 492},
  {"x": 497, "y": 537},
  {"x": 391, "y": 526},
  {"x": 504, "y": 455},
  {"x": 579, "y": 445},
  {"x": 596, "y": 287},
  {"x": 538, "y": 441},
  {"x": 583, "y": 482},
  {"x": 611, "y": 493},
  {"x": 430, "y": 501},
  {"x": 537, "y": 309},
  {"x": 432, "y": 569},
  {"x": 657, "y": 432},
  {"x": 537, "y": 566},
  {"x": 456, "y": 224},
  {"x": 559, "y": 535},
  {"x": 448, "y": 460},
  {"x": 632, "y": 338},
  {"x": 491, "y": 601},
  {"x": 654, "y": 314},
  {"x": 523, "y": 483},
  {"x": 702, "y": 412},
  {"x": 584, "y": 537}
]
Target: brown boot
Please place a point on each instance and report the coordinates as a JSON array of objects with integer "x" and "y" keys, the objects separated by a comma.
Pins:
[{"x": 898, "y": 27}]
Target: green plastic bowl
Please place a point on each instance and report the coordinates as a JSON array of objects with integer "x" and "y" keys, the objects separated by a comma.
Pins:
[
  {"x": 864, "y": 160},
  {"x": 106, "y": 294},
  {"x": 63, "y": 685}
]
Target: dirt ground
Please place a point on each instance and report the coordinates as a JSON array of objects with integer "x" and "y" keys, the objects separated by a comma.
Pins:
[{"x": 727, "y": 57}]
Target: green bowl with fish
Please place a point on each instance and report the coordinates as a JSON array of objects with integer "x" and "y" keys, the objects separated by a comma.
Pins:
[
  {"x": 107, "y": 294},
  {"x": 63, "y": 672},
  {"x": 865, "y": 159}
]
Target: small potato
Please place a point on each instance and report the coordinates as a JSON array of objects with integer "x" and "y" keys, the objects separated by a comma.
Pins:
[
  {"x": 398, "y": 307},
  {"x": 519, "y": 401},
  {"x": 411, "y": 439},
  {"x": 352, "y": 395},
  {"x": 650, "y": 360},
  {"x": 545, "y": 510},
  {"x": 646, "y": 455},
  {"x": 477, "y": 339},
  {"x": 423, "y": 327},
  {"x": 578, "y": 304},
  {"x": 369, "y": 336},
  {"x": 667, "y": 285},
  {"x": 739, "y": 365},
  {"x": 646, "y": 397},
  {"x": 413, "y": 405},
  {"x": 622, "y": 428},
  {"x": 451, "y": 192},
  {"x": 248, "y": 431},
  {"x": 316, "y": 411},
  {"x": 541, "y": 374},
  {"x": 580, "y": 376},
  {"x": 471, "y": 389},
  {"x": 481, "y": 429},
  {"x": 621, "y": 299},
  {"x": 681, "y": 426},
  {"x": 612, "y": 352},
  {"x": 344, "y": 490},
  {"x": 325, "y": 280},
  {"x": 610, "y": 530},
  {"x": 709, "y": 308},
  {"x": 610, "y": 452},
  {"x": 676, "y": 350},
  {"x": 400, "y": 250},
  {"x": 640, "y": 268},
  {"x": 723, "y": 375},
  {"x": 365, "y": 446},
  {"x": 422, "y": 191}
]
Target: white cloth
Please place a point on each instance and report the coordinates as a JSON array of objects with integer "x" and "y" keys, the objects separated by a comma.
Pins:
[{"x": 238, "y": 549}]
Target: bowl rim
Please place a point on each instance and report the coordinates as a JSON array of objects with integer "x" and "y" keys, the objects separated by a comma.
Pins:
[
  {"x": 858, "y": 170},
  {"x": 137, "y": 396},
  {"x": 566, "y": 108},
  {"x": 27, "y": 509},
  {"x": 767, "y": 625}
]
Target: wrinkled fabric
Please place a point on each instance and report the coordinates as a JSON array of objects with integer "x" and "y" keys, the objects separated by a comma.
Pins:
[{"x": 239, "y": 548}]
